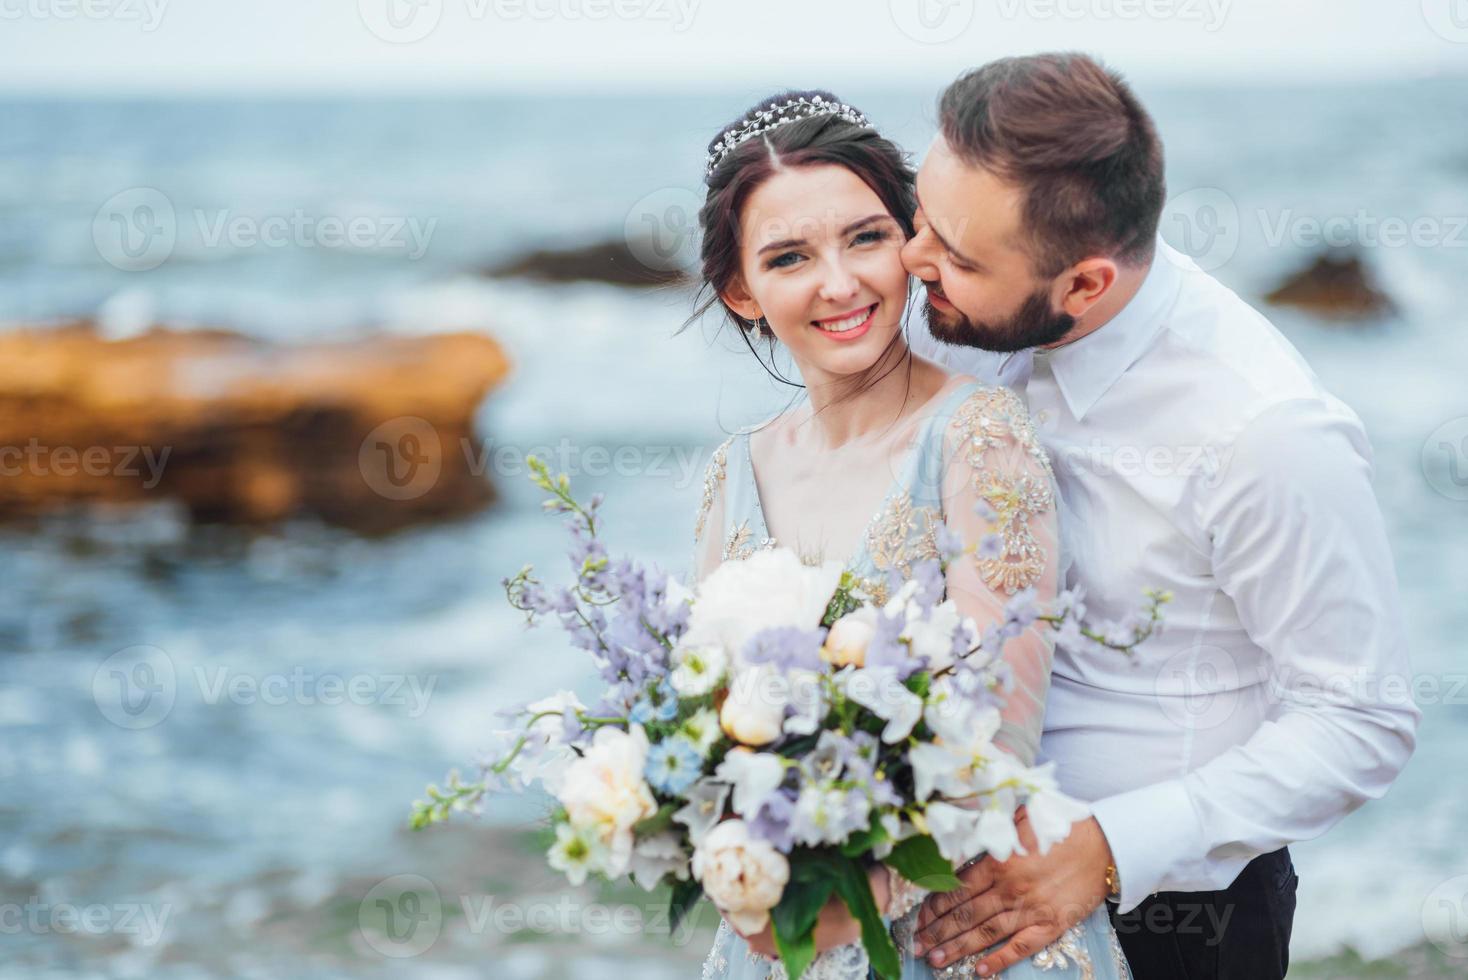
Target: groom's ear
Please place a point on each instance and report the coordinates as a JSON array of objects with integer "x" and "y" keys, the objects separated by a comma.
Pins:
[
  {"x": 736, "y": 297},
  {"x": 1083, "y": 284}
]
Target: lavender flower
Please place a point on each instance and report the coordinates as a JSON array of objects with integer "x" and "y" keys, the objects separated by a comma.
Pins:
[{"x": 786, "y": 647}]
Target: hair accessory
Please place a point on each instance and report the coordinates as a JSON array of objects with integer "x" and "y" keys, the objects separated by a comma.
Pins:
[{"x": 776, "y": 115}]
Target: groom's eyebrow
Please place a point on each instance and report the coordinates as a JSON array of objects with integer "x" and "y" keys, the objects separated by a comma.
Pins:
[{"x": 856, "y": 225}]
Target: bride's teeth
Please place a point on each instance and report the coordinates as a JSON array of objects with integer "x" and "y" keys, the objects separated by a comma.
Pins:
[{"x": 850, "y": 323}]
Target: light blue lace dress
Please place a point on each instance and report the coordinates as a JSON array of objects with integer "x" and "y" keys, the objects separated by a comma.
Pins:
[{"x": 973, "y": 463}]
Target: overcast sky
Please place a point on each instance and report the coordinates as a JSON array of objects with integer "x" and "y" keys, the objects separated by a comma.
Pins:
[{"x": 194, "y": 46}]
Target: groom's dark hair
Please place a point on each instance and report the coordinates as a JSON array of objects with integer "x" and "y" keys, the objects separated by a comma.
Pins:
[{"x": 1073, "y": 136}]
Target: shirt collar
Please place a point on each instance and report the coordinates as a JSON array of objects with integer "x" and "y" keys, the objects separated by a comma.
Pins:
[{"x": 1086, "y": 369}]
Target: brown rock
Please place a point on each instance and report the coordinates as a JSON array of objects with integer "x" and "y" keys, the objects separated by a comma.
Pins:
[
  {"x": 368, "y": 435},
  {"x": 1335, "y": 287},
  {"x": 612, "y": 262}
]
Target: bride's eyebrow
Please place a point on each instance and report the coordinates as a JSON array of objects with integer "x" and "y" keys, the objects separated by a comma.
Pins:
[{"x": 856, "y": 225}]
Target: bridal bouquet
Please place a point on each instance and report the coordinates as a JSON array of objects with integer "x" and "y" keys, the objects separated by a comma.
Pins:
[{"x": 768, "y": 738}]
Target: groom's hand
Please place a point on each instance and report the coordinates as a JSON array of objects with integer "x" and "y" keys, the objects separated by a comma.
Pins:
[{"x": 1025, "y": 902}]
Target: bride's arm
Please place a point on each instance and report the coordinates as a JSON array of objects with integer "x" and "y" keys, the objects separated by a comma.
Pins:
[{"x": 997, "y": 480}]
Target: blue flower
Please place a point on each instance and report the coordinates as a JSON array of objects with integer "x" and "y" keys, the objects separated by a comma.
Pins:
[
  {"x": 658, "y": 703},
  {"x": 673, "y": 765}
]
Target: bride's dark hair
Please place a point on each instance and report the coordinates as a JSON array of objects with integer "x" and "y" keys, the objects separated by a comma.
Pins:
[{"x": 815, "y": 140}]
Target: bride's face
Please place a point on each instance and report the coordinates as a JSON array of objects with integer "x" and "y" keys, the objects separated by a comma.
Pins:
[{"x": 820, "y": 259}]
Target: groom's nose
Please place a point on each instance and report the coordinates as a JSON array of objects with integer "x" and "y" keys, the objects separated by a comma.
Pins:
[{"x": 917, "y": 255}]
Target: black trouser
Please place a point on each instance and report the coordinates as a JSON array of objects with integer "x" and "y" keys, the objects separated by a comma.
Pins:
[{"x": 1239, "y": 933}]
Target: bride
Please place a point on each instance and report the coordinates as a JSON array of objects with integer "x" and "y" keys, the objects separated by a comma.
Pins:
[{"x": 806, "y": 213}]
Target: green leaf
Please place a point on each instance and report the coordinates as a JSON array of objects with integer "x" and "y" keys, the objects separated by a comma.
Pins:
[
  {"x": 919, "y": 683},
  {"x": 794, "y": 919},
  {"x": 858, "y": 844},
  {"x": 685, "y": 895},
  {"x": 656, "y": 823},
  {"x": 917, "y": 859},
  {"x": 856, "y": 892}
]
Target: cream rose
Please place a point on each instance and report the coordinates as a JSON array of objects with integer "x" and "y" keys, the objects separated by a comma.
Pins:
[
  {"x": 743, "y": 876},
  {"x": 847, "y": 642},
  {"x": 604, "y": 791},
  {"x": 754, "y": 710}
]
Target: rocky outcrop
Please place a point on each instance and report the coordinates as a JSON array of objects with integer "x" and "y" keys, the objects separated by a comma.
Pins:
[
  {"x": 1334, "y": 287},
  {"x": 614, "y": 262},
  {"x": 371, "y": 435}
]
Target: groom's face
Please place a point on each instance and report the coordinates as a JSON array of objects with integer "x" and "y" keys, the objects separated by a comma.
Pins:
[{"x": 983, "y": 290}]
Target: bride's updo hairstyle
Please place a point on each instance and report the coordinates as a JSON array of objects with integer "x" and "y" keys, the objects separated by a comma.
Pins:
[{"x": 791, "y": 129}]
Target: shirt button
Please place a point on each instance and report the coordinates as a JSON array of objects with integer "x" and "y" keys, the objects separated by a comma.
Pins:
[{"x": 1044, "y": 416}]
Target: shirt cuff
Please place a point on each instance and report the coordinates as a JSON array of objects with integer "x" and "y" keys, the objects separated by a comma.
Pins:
[{"x": 1153, "y": 833}]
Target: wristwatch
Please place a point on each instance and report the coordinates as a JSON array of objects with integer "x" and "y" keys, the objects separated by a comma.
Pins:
[{"x": 1113, "y": 884}]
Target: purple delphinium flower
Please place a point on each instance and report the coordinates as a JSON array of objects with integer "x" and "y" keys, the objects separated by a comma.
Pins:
[
  {"x": 931, "y": 584},
  {"x": 786, "y": 647},
  {"x": 886, "y": 649},
  {"x": 771, "y": 822},
  {"x": 828, "y": 815},
  {"x": 950, "y": 543}
]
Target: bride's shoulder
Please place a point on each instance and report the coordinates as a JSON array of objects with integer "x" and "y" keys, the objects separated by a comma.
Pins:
[{"x": 990, "y": 412}]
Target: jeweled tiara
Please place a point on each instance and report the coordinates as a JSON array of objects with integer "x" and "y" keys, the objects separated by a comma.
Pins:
[{"x": 778, "y": 115}]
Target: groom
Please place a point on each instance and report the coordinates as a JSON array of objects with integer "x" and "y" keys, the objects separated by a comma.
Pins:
[{"x": 1194, "y": 451}]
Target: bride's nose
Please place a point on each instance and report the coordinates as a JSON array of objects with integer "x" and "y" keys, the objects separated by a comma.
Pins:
[{"x": 837, "y": 282}]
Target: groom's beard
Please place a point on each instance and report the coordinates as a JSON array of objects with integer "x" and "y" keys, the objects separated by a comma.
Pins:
[{"x": 1034, "y": 324}]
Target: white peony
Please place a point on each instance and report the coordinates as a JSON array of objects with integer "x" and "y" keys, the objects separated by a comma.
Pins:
[
  {"x": 847, "y": 642},
  {"x": 754, "y": 775},
  {"x": 654, "y": 857},
  {"x": 769, "y": 588},
  {"x": 742, "y": 875},
  {"x": 932, "y": 637},
  {"x": 1050, "y": 811},
  {"x": 880, "y": 692},
  {"x": 754, "y": 710},
  {"x": 604, "y": 791}
]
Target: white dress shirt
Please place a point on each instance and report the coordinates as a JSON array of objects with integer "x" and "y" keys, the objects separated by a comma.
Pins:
[{"x": 1196, "y": 451}]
